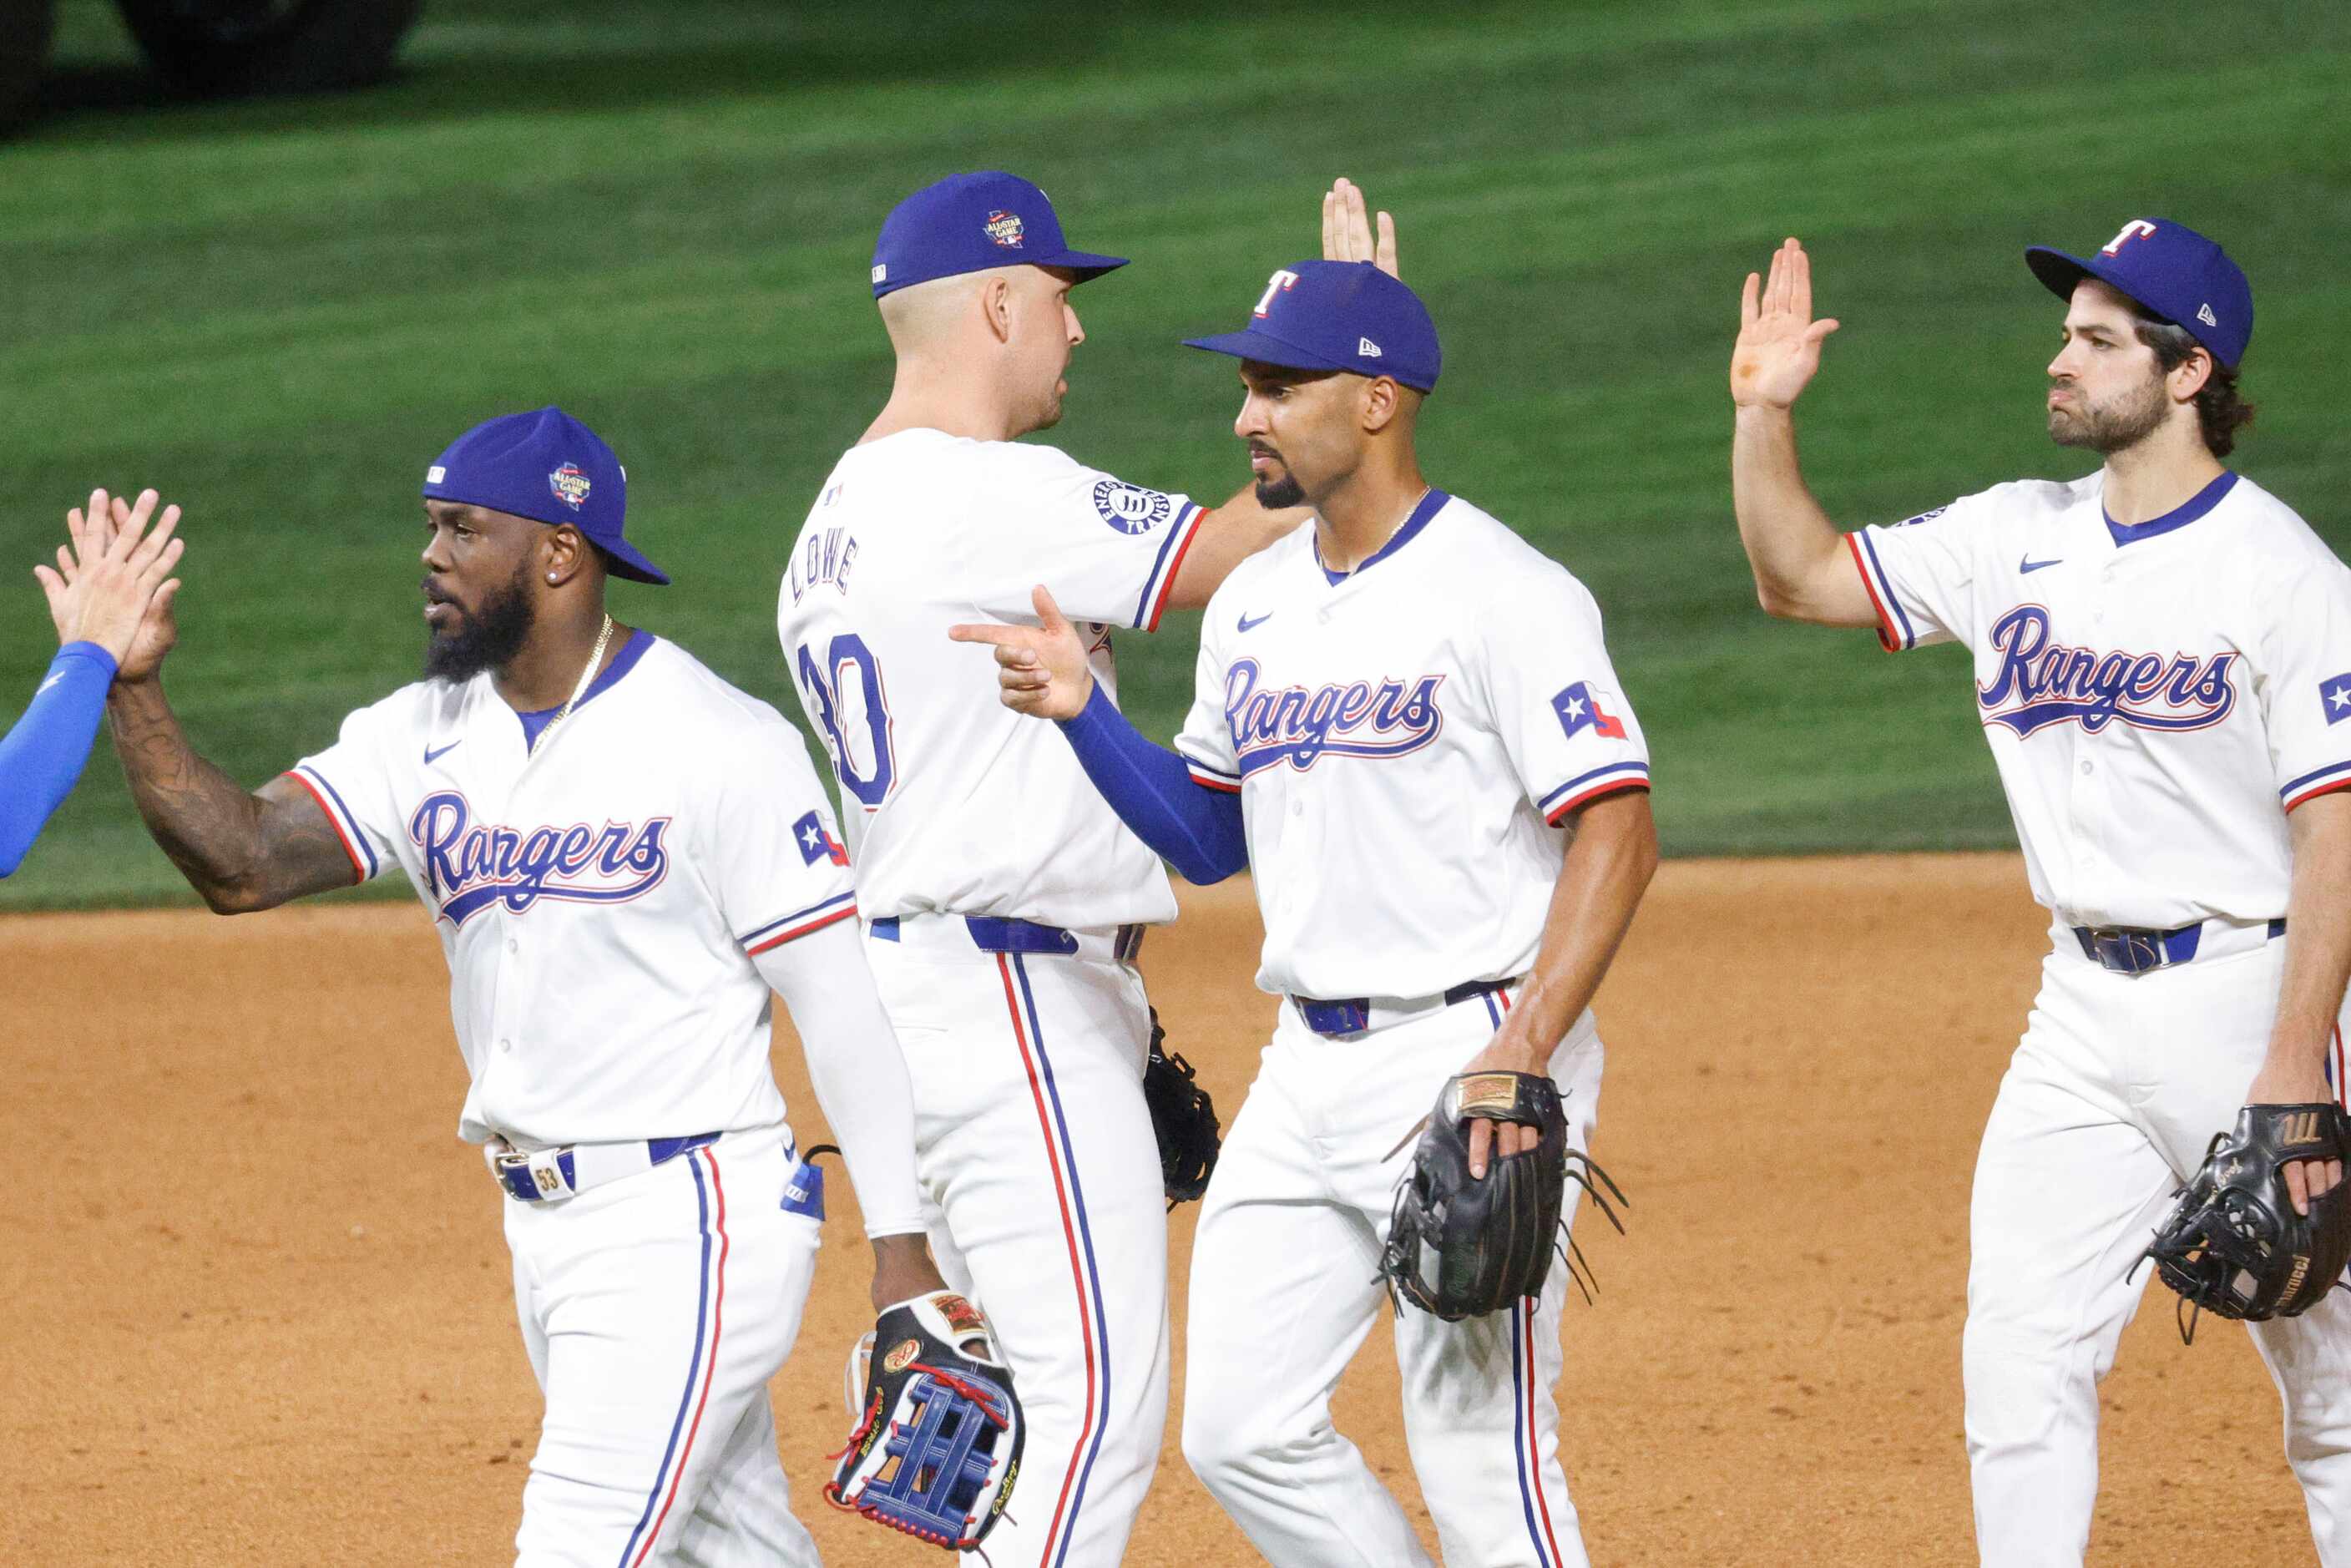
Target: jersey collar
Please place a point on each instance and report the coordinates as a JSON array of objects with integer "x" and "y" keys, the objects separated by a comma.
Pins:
[
  {"x": 2179, "y": 517},
  {"x": 1429, "y": 506},
  {"x": 640, "y": 640}
]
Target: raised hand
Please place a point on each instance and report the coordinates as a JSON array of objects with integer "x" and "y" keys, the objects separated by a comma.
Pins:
[
  {"x": 1040, "y": 670},
  {"x": 1347, "y": 229},
  {"x": 113, "y": 575},
  {"x": 1779, "y": 347}
]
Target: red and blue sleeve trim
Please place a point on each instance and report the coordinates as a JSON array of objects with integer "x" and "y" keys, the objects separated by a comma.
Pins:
[
  {"x": 2335, "y": 776},
  {"x": 1211, "y": 776},
  {"x": 1893, "y": 630},
  {"x": 799, "y": 922},
  {"x": 1152, "y": 604},
  {"x": 340, "y": 817},
  {"x": 1586, "y": 788}
]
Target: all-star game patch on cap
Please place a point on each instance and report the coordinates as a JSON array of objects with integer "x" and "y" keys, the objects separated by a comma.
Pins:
[
  {"x": 547, "y": 466},
  {"x": 969, "y": 222},
  {"x": 2172, "y": 271},
  {"x": 1337, "y": 315}
]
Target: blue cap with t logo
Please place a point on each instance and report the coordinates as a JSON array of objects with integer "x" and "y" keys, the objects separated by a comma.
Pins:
[
  {"x": 1337, "y": 315},
  {"x": 2170, "y": 270}
]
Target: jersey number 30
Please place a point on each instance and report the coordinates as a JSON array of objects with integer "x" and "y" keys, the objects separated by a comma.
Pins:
[{"x": 845, "y": 689}]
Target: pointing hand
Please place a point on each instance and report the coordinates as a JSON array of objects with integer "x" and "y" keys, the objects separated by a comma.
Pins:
[{"x": 1041, "y": 670}]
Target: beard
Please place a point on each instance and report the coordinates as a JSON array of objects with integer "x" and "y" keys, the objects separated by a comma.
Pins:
[
  {"x": 2116, "y": 425},
  {"x": 1278, "y": 494},
  {"x": 488, "y": 640}
]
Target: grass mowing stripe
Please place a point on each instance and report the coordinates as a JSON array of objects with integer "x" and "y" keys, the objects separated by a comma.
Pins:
[{"x": 660, "y": 215}]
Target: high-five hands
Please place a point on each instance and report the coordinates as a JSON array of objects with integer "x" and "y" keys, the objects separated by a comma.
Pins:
[
  {"x": 1040, "y": 670},
  {"x": 1347, "y": 229},
  {"x": 1779, "y": 346},
  {"x": 113, "y": 572}
]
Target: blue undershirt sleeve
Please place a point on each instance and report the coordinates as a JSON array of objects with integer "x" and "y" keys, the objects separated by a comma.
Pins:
[
  {"x": 1195, "y": 828},
  {"x": 43, "y": 755}
]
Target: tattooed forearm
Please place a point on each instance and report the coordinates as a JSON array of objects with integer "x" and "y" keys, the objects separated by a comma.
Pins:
[{"x": 240, "y": 850}]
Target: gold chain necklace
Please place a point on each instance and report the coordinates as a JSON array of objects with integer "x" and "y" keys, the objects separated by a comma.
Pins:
[{"x": 587, "y": 675}]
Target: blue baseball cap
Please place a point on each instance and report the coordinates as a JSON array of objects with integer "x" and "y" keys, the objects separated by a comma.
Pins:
[
  {"x": 547, "y": 466},
  {"x": 969, "y": 222},
  {"x": 1337, "y": 315},
  {"x": 2170, "y": 270}
]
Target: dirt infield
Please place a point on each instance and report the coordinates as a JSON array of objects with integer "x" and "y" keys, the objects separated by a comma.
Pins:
[{"x": 259, "y": 1310}]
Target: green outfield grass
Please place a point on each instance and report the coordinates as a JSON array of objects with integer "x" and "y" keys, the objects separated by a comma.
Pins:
[{"x": 660, "y": 215}]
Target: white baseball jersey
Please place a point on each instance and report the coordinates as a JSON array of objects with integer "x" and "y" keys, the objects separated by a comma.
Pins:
[
  {"x": 2156, "y": 695},
  {"x": 1405, "y": 738},
  {"x": 599, "y": 900},
  {"x": 955, "y": 804}
]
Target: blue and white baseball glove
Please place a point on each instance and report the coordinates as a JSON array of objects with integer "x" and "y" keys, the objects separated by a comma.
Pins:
[{"x": 937, "y": 1444}]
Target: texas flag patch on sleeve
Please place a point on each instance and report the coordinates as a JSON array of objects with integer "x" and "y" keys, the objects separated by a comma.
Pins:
[
  {"x": 2336, "y": 696},
  {"x": 1578, "y": 710},
  {"x": 816, "y": 844}
]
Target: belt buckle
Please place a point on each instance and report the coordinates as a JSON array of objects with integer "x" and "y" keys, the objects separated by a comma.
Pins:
[
  {"x": 2126, "y": 951},
  {"x": 534, "y": 1177}
]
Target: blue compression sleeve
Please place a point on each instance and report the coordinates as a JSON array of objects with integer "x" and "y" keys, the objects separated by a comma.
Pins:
[
  {"x": 1197, "y": 830},
  {"x": 42, "y": 756}
]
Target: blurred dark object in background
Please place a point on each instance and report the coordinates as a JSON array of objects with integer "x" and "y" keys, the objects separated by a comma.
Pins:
[{"x": 223, "y": 47}]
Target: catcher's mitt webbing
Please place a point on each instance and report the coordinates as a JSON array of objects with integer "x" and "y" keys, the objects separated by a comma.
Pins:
[
  {"x": 1459, "y": 1245},
  {"x": 937, "y": 1444},
  {"x": 2233, "y": 1245},
  {"x": 1184, "y": 1119}
]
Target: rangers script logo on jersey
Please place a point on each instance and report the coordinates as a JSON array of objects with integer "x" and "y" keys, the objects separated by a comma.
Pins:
[
  {"x": 1293, "y": 725},
  {"x": 2041, "y": 682},
  {"x": 472, "y": 866}
]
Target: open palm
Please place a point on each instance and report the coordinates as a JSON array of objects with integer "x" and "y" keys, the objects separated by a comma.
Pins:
[{"x": 1779, "y": 346}]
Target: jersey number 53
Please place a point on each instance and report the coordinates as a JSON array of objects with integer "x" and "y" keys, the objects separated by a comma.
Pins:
[{"x": 844, "y": 691}]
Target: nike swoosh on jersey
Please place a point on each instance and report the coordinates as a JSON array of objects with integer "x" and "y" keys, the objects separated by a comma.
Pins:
[
  {"x": 432, "y": 757},
  {"x": 1247, "y": 624},
  {"x": 2026, "y": 563}
]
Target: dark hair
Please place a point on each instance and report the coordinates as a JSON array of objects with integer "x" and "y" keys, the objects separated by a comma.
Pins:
[{"x": 2220, "y": 412}]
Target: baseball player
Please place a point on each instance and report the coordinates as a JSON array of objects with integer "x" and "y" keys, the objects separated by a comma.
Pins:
[
  {"x": 1406, "y": 723},
  {"x": 2163, "y": 663},
  {"x": 104, "y": 579},
  {"x": 1003, "y": 902},
  {"x": 622, "y": 854}
]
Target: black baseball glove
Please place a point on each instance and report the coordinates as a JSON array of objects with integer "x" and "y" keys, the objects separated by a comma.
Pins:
[
  {"x": 2232, "y": 1244},
  {"x": 1460, "y": 1247},
  {"x": 939, "y": 1432},
  {"x": 1182, "y": 1117}
]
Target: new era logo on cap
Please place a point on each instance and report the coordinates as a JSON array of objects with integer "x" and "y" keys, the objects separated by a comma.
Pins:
[
  {"x": 434, "y": 475},
  {"x": 2204, "y": 314},
  {"x": 1367, "y": 348}
]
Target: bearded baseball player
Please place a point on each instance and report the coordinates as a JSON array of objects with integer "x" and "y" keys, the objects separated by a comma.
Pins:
[
  {"x": 2163, "y": 663},
  {"x": 1406, "y": 723},
  {"x": 623, "y": 855},
  {"x": 1004, "y": 903}
]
